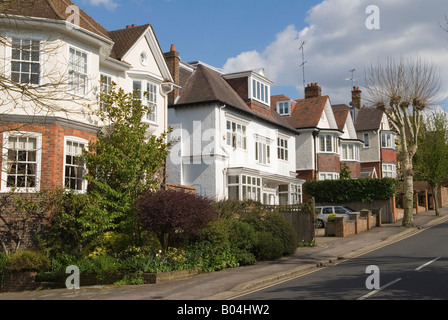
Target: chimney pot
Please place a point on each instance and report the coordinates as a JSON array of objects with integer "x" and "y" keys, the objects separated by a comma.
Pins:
[
  {"x": 313, "y": 91},
  {"x": 127, "y": 27},
  {"x": 356, "y": 98},
  {"x": 134, "y": 25},
  {"x": 173, "y": 48}
]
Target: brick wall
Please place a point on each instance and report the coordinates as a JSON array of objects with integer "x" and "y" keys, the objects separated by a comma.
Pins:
[
  {"x": 389, "y": 155},
  {"x": 328, "y": 163},
  {"x": 18, "y": 226},
  {"x": 355, "y": 168},
  {"x": 240, "y": 85},
  {"x": 52, "y": 171}
]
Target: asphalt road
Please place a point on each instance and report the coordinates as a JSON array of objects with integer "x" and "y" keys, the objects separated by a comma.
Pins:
[{"x": 415, "y": 268}]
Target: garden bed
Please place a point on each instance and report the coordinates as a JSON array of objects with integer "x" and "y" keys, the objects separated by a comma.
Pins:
[{"x": 26, "y": 281}]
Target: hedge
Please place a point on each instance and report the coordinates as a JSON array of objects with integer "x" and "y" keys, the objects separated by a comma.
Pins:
[{"x": 352, "y": 190}]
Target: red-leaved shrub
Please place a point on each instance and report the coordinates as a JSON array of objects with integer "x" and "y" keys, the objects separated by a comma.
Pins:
[{"x": 174, "y": 216}]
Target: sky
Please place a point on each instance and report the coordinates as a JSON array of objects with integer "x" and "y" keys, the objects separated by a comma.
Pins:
[{"x": 340, "y": 39}]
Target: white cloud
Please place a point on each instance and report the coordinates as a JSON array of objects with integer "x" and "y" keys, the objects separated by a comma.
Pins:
[{"x": 337, "y": 40}]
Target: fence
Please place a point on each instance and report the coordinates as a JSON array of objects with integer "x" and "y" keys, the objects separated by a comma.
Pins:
[{"x": 302, "y": 219}]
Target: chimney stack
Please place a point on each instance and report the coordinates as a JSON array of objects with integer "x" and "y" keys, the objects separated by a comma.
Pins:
[
  {"x": 356, "y": 98},
  {"x": 313, "y": 91},
  {"x": 172, "y": 59}
]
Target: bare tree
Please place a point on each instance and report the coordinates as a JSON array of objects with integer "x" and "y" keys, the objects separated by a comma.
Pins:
[{"x": 402, "y": 89}]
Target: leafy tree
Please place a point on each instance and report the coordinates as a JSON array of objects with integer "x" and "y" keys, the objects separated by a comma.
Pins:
[
  {"x": 345, "y": 173},
  {"x": 122, "y": 164},
  {"x": 431, "y": 160}
]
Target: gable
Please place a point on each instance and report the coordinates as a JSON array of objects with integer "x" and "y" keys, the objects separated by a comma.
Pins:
[
  {"x": 328, "y": 120},
  {"x": 135, "y": 42}
]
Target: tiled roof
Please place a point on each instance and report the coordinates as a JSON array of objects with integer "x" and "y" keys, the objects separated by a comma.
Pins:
[
  {"x": 368, "y": 119},
  {"x": 51, "y": 9},
  {"x": 124, "y": 39},
  {"x": 207, "y": 85},
  {"x": 307, "y": 112},
  {"x": 341, "y": 112}
]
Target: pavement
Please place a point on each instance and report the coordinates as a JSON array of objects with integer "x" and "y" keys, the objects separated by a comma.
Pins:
[{"x": 230, "y": 283}]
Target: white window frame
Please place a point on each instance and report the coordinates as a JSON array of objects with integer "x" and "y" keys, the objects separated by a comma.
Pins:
[
  {"x": 333, "y": 143},
  {"x": 80, "y": 141},
  {"x": 283, "y": 148},
  {"x": 387, "y": 140},
  {"x": 9, "y": 56},
  {"x": 77, "y": 89},
  {"x": 260, "y": 91},
  {"x": 236, "y": 134},
  {"x": 4, "y": 174},
  {"x": 148, "y": 98},
  {"x": 263, "y": 152},
  {"x": 296, "y": 194},
  {"x": 389, "y": 170},
  {"x": 105, "y": 86},
  {"x": 281, "y": 105},
  {"x": 328, "y": 176},
  {"x": 345, "y": 152}
]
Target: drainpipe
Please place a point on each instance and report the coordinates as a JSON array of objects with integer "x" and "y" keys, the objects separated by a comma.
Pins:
[
  {"x": 224, "y": 171},
  {"x": 316, "y": 162}
]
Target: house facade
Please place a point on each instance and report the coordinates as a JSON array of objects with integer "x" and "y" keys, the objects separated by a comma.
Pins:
[
  {"x": 318, "y": 143},
  {"x": 378, "y": 153},
  {"x": 350, "y": 144},
  {"x": 62, "y": 64},
  {"x": 228, "y": 142}
]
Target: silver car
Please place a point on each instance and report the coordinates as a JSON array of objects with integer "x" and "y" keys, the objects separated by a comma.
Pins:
[{"x": 324, "y": 211}]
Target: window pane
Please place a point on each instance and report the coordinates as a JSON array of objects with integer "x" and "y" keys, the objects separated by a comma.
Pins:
[{"x": 328, "y": 143}]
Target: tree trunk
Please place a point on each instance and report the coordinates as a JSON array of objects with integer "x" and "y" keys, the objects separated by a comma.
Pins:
[
  {"x": 408, "y": 218},
  {"x": 408, "y": 176},
  {"x": 435, "y": 189}
]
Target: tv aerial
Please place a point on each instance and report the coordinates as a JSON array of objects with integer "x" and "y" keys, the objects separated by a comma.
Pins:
[
  {"x": 303, "y": 62},
  {"x": 352, "y": 79}
]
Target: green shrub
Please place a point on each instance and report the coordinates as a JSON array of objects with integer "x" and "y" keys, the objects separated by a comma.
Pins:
[
  {"x": 331, "y": 217},
  {"x": 28, "y": 260},
  {"x": 241, "y": 234},
  {"x": 281, "y": 229},
  {"x": 106, "y": 269},
  {"x": 351, "y": 190},
  {"x": 267, "y": 246}
]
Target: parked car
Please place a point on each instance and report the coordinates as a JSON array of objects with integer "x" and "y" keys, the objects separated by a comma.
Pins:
[{"x": 324, "y": 211}]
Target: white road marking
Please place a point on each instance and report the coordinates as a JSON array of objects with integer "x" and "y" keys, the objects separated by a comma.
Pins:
[
  {"x": 378, "y": 290},
  {"x": 426, "y": 264}
]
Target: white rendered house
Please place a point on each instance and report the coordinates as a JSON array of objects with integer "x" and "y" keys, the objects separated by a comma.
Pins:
[{"x": 228, "y": 142}]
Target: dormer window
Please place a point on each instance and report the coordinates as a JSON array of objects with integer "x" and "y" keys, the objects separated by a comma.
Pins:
[
  {"x": 260, "y": 91},
  {"x": 284, "y": 108}
]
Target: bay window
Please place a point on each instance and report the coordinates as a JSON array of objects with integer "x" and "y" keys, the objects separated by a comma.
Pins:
[{"x": 328, "y": 143}]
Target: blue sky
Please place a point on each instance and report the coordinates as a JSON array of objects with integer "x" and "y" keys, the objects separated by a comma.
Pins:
[
  {"x": 239, "y": 35},
  {"x": 208, "y": 30}
]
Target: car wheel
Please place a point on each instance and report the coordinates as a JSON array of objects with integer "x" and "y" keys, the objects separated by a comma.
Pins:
[{"x": 320, "y": 224}]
